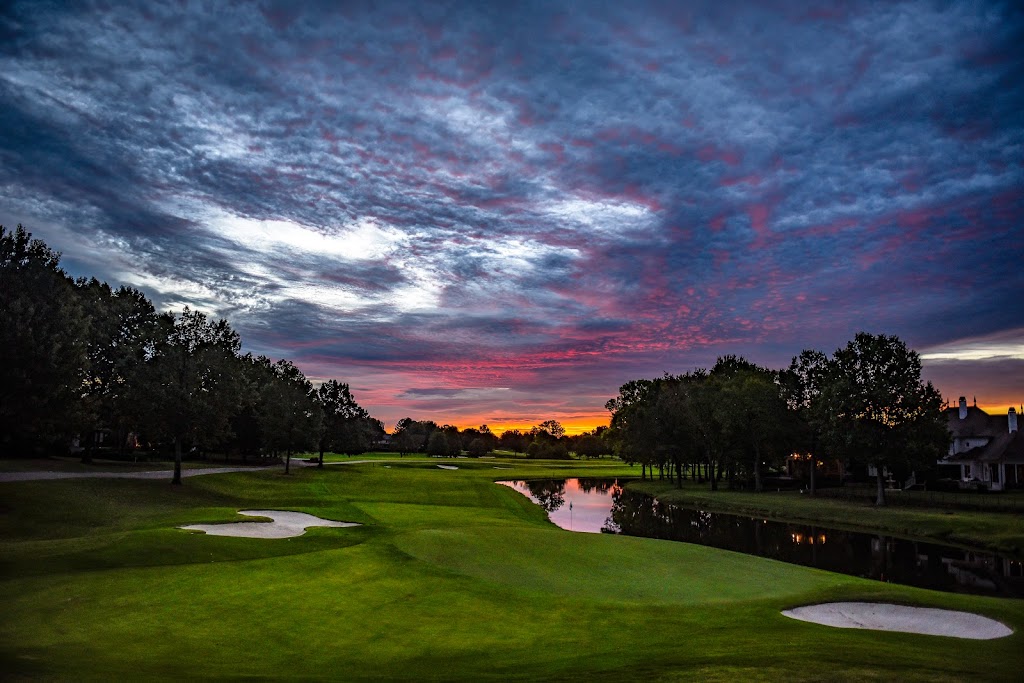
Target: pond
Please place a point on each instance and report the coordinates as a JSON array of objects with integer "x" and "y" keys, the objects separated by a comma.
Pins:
[{"x": 604, "y": 506}]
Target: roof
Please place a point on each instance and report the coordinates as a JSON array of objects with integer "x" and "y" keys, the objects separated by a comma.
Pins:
[
  {"x": 1007, "y": 447},
  {"x": 1002, "y": 445},
  {"x": 977, "y": 423}
]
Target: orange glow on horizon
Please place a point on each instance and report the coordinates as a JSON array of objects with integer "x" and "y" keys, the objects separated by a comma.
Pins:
[
  {"x": 995, "y": 408},
  {"x": 573, "y": 426}
]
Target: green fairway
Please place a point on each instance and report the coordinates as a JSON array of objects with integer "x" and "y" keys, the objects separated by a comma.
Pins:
[{"x": 450, "y": 577}]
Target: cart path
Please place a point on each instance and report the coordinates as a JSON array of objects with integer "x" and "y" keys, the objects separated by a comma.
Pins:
[{"x": 40, "y": 475}]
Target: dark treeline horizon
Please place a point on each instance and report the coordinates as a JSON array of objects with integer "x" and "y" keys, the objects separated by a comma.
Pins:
[
  {"x": 864, "y": 407},
  {"x": 94, "y": 366},
  {"x": 89, "y": 365}
]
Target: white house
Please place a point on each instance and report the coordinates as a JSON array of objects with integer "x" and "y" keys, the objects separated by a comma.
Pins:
[{"x": 988, "y": 448}]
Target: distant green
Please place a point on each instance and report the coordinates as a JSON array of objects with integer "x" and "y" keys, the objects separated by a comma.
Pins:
[{"x": 451, "y": 578}]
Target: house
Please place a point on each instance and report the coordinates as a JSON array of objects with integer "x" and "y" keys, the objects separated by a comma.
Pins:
[{"x": 989, "y": 449}]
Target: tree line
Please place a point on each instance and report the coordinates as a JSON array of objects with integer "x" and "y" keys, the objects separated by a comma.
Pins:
[
  {"x": 547, "y": 440},
  {"x": 865, "y": 405},
  {"x": 84, "y": 360}
]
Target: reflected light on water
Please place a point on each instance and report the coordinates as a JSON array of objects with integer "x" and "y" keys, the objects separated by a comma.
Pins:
[{"x": 575, "y": 505}]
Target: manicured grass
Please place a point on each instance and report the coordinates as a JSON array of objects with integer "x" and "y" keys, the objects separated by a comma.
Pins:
[
  {"x": 999, "y": 531},
  {"x": 451, "y": 578}
]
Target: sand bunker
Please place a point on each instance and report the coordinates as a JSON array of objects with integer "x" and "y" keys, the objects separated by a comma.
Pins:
[
  {"x": 886, "y": 617},
  {"x": 285, "y": 525},
  {"x": 448, "y": 467}
]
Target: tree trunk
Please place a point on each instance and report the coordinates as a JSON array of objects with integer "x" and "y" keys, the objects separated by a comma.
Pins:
[
  {"x": 177, "y": 461},
  {"x": 881, "y": 486},
  {"x": 288, "y": 461},
  {"x": 714, "y": 479},
  {"x": 320, "y": 464},
  {"x": 758, "y": 486},
  {"x": 87, "y": 454},
  {"x": 814, "y": 462}
]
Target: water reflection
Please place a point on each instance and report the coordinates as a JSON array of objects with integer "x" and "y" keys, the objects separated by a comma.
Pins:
[
  {"x": 601, "y": 505},
  {"x": 574, "y": 504}
]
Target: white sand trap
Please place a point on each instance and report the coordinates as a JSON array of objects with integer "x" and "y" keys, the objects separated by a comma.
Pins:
[
  {"x": 448, "y": 467},
  {"x": 285, "y": 525},
  {"x": 886, "y": 617}
]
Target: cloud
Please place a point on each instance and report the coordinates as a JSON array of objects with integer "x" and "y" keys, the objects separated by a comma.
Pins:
[{"x": 530, "y": 196}]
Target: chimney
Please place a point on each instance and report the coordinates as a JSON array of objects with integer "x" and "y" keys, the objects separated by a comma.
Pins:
[
  {"x": 963, "y": 407},
  {"x": 1011, "y": 417}
]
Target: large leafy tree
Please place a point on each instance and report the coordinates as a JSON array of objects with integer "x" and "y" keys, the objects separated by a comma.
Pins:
[
  {"x": 347, "y": 426},
  {"x": 752, "y": 410},
  {"x": 802, "y": 387},
  {"x": 249, "y": 434},
  {"x": 700, "y": 415},
  {"x": 878, "y": 410},
  {"x": 632, "y": 431},
  {"x": 411, "y": 436},
  {"x": 513, "y": 440},
  {"x": 290, "y": 414},
  {"x": 193, "y": 381},
  {"x": 43, "y": 342},
  {"x": 552, "y": 427},
  {"x": 488, "y": 440},
  {"x": 590, "y": 446},
  {"x": 444, "y": 442},
  {"x": 124, "y": 330}
]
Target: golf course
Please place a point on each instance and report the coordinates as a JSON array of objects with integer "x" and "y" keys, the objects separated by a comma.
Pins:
[{"x": 447, "y": 577}]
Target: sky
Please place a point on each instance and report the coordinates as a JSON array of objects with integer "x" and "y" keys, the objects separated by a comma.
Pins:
[{"x": 486, "y": 212}]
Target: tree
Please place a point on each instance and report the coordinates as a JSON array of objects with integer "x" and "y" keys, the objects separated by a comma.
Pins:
[
  {"x": 489, "y": 438},
  {"x": 347, "y": 427},
  {"x": 453, "y": 440},
  {"x": 291, "y": 416},
  {"x": 254, "y": 374},
  {"x": 802, "y": 386},
  {"x": 411, "y": 436},
  {"x": 701, "y": 429},
  {"x": 513, "y": 440},
  {"x": 631, "y": 432},
  {"x": 552, "y": 427},
  {"x": 124, "y": 329},
  {"x": 43, "y": 339},
  {"x": 477, "y": 448},
  {"x": 437, "y": 444},
  {"x": 192, "y": 381},
  {"x": 590, "y": 446},
  {"x": 878, "y": 410},
  {"x": 753, "y": 412}
]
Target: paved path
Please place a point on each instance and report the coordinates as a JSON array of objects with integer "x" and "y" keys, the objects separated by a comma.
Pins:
[
  {"x": 151, "y": 474},
  {"x": 164, "y": 474}
]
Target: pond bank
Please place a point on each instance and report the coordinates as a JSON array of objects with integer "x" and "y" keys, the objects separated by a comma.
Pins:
[{"x": 999, "y": 532}]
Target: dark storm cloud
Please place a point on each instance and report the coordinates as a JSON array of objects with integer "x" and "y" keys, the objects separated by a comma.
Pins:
[{"x": 460, "y": 195}]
